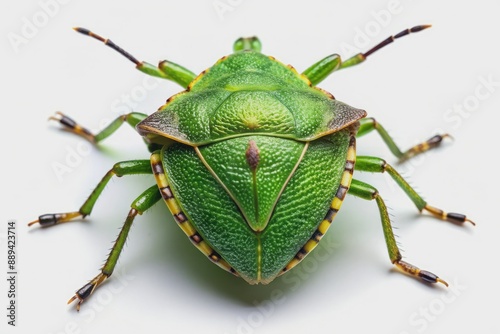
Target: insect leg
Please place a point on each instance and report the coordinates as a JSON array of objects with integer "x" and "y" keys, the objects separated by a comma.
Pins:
[
  {"x": 368, "y": 192},
  {"x": 369, "y": 124},
  {"x": 119, "y": 169},
  {"x": 70, "y": 125},
  {"x": 145, "y": 201},
  {"x": 323, "y": 68},
  {"x": 166, "y": 69},
  {"x": 378, "y": 165}
]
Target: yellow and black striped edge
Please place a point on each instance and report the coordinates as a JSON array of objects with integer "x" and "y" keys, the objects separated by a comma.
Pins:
[
  {"x": 332, "y": 211},
  {"x": 181, "y": 219}
]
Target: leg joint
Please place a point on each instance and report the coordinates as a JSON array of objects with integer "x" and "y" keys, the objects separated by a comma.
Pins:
[
  {"x": 134, "y": 212},
  {"x": 384, "y": 165}
]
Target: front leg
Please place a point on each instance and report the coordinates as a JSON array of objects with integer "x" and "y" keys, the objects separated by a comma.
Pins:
[
  {"x": 70, "y": 125},
  {"x": 132, "y": 119},
  {"x": 367, "y": 125}
]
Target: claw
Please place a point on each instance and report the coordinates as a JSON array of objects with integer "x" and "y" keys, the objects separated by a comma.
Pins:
[
  {"x": 57, "y": 117},
  {"x": 470, "y": 221},
  {"x": 85, "y": 291},
  {"x": 82, "y": 294},
  {"x": 80, "y": 301}
]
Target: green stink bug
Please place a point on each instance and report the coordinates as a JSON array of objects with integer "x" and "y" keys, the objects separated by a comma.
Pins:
[{"x": 253, "y": 161}]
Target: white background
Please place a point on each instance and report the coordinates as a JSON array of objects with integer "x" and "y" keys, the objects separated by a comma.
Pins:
[{"x": 414, "y": 87}]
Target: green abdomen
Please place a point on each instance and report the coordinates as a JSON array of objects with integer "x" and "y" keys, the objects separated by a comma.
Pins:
[{"x": 257, "y": 199}]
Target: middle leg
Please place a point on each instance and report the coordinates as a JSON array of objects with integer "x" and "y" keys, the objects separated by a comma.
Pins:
[
  {"x": 119, "y": 169},
  {"x": 378, "y": 165}
]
